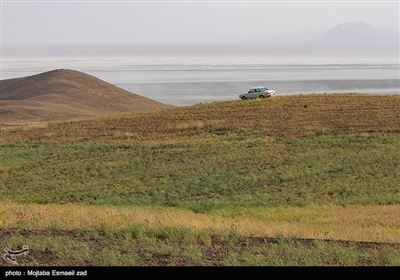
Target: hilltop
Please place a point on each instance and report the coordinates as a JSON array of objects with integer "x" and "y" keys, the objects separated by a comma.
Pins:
[{"x": 65, "y": 94}]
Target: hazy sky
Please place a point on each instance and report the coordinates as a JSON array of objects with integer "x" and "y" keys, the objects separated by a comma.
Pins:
[{"x": 94, "y": 22}]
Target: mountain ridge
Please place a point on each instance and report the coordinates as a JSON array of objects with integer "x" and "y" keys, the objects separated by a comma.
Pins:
[
  {"x": 359, "y": 31},
  {"x": 347, "y": 31}
]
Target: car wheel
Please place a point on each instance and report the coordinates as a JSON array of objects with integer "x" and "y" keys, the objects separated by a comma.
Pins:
[
  {"x": 261, "y": 96},
  {"x": 244, "y": 98}
]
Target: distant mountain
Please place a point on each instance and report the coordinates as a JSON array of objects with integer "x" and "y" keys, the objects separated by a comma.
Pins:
[
  {"x": 359, "y": 31},
  {"x": 65, "y": 94},
  {"x": 349, "y": 31},
  {"x": 297, "y": 36}
]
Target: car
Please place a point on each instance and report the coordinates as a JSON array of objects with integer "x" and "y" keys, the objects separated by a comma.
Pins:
[{"x": 257, "y": 92}]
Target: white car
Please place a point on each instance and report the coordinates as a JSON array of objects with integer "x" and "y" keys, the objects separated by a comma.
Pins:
[{"x": 257, "y": 92}]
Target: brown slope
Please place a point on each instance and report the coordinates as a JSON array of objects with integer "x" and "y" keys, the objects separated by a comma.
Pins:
[{"x": 65, "y": 94}]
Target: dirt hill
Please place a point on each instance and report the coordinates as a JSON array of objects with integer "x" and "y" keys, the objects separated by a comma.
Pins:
[{"x": 65, "y": 94}]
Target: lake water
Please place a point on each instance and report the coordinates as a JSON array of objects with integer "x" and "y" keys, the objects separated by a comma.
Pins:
[{"x": 188, "y": 74}]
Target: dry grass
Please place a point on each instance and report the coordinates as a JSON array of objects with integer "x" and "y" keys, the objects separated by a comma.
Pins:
[
  {"x": 281, "y": 116},
  {"x": 355, "y": 223}
]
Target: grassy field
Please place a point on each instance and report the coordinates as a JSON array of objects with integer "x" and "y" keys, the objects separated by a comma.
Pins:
[{"x": 289, "y": 180}]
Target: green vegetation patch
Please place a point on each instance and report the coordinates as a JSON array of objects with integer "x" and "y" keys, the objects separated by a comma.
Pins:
[{"x": 206, "y": 174}]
